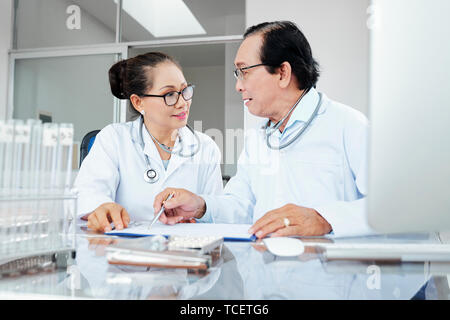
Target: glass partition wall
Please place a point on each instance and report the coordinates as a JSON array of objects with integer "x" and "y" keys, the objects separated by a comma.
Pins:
[
  {"x": 62, "y": 51},
  {"x": 69, "y": 89}
]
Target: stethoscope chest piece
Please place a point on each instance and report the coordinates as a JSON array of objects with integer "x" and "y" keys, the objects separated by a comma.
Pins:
[{"x": 151, "y": 176}]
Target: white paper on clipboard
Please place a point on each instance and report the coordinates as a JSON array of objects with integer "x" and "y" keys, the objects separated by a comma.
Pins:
[{"x": 230, "y": 232}]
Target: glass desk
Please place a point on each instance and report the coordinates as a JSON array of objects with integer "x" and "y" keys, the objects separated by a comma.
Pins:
[{"x": 243, "y": 271}]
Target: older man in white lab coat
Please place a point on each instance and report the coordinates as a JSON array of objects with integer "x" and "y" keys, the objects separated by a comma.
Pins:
[{"x": 313, "y": 186}]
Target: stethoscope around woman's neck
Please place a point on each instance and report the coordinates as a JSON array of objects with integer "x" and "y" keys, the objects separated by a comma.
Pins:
[
  {"x": 270, "y": 130},
  {"x": 150, "y": 174}
]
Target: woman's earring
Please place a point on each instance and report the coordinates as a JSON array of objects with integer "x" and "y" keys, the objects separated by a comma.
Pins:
[{"x": 142, "y": 112}]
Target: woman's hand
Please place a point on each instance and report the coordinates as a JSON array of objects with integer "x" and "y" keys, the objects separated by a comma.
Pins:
[{"x": 100, "y": 220}]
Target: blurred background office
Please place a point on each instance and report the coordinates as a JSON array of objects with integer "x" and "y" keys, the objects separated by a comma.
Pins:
[{"x": 55, "y": 54}]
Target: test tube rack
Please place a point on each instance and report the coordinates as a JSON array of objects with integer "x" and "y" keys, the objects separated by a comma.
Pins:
[{"x": 33, "y": 227}]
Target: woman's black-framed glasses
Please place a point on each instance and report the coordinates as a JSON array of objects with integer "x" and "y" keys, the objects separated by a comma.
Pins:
[
  {"x": 171, "y": 98},
  {"x": 239, "y": 72}
]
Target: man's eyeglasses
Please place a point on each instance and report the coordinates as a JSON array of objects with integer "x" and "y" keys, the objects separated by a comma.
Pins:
[
  {"x": 239, "y": 72},
  {"x": 171, "y": 98}
]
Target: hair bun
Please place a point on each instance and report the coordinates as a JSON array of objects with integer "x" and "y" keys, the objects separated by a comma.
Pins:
[{"x": 116, "y": 79}]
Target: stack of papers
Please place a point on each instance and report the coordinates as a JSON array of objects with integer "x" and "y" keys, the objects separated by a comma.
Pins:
[{"x": 230, "y": 232}]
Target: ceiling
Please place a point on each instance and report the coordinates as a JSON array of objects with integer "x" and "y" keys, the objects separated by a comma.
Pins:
[
  {"x": 191, "y": 56},
  {"x": 217, "y": 17}
]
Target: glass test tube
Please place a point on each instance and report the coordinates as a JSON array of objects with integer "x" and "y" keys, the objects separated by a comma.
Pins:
[
  {"x": 8, "y": 135},
  {"x": 22, "y": 133},
  {"x": 64, "y": 158},
  {"x": 35, "y": 156},
  {"x": 34, "y": 183},
  {"x": 29, "y": 162},
  {"x": 49, "y": 150},
  {"x": 50, "y": 211},
  {"x": 3, "y": 229},
  {"x": 49, "y": 158},
  {"x": 15, "y": 208},
  {"x": 17, "y": 154},
  {"x": 2, "y": 151}
]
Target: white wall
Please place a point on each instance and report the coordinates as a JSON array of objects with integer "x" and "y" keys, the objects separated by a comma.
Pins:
[
  {"x": 207, "y": 104},
  {"x": 339, "y": 38},
  {"x": 5, "y": 43},
  {"x": 234, "y": 114}
]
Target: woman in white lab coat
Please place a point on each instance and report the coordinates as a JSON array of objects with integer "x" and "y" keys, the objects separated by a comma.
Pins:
[{"x": 130, "y": 163}]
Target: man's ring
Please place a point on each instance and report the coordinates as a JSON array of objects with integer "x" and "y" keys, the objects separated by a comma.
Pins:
[{"x": 286, "y": 222}]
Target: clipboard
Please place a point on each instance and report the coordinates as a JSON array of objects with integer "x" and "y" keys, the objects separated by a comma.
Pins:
[{"x": 229, "y": 232}]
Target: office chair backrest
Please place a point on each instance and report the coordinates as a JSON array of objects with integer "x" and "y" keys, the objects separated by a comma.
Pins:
[{"x": 86, "y": 144}]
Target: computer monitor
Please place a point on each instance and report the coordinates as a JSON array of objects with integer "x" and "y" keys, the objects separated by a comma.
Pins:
[{"x": 409, "y": 112}]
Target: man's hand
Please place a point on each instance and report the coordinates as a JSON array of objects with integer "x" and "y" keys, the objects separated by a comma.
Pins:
[
  {"x": 184, "y": 205},
  {"x": 302, "y": 222}
]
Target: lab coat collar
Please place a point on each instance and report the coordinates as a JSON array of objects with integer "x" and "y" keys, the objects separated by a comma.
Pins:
[
  {"x": 305, "y": 108},
  {"x": 152, "y": 152},
  {"x": 188, "y": 137}
]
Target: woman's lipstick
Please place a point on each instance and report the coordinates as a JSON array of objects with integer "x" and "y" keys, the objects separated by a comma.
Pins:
[{"x": 180, "y": 116}]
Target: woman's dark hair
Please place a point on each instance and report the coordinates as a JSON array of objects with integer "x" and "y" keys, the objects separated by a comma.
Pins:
[
  {"x": 132, "y": 76},
  {"x": 283, "y": 41}
]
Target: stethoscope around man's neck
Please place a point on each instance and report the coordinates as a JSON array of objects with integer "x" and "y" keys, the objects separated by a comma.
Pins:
[
  {"x": 270, "y": 130},
  {"x": 150, "y": 174}
]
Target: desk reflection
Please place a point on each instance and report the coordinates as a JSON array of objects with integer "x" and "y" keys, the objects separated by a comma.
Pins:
[{"x": 248, "y": 271}]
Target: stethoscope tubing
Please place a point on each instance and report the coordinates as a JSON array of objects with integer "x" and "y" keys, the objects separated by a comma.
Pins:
[
  {"x": 297, "y": 136},
  {"x": 150, "y": 174}
]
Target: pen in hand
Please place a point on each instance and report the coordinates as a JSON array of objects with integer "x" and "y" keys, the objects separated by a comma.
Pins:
[{"x": 160, "y": 211}]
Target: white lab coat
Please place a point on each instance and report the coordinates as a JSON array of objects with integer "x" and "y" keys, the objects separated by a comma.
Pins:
[
  {"x": 113, "y": 171},
  {"x": 325, "y": 169}
]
